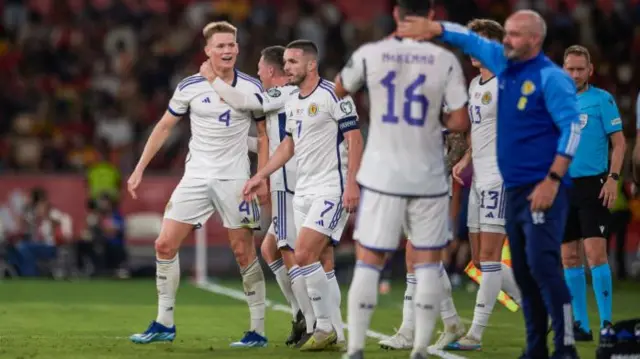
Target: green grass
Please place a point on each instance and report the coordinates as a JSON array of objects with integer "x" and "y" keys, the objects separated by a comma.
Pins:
[{"x": 55, "y": 320}]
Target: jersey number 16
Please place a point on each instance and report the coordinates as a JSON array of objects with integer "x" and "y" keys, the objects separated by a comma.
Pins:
[{"x": 411, "y": 98}]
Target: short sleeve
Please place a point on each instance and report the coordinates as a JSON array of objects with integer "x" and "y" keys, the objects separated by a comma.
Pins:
[
  {"x": 353, "y": 75},
  {"x": 344, "y": 112},
  {"x": 456, "y": 93},
  {"x": 610, "y": 114},
  {"x": 179, "y": 103}
]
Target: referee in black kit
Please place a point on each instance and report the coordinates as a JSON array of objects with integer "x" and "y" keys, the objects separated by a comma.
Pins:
[{"x": 594, "y": 191}]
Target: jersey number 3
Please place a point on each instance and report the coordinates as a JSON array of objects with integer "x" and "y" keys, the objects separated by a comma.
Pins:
[{"x": 411, "y": 100}]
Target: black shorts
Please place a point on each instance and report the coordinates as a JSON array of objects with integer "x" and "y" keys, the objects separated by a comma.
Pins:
[{"x": 587, "y": 217}]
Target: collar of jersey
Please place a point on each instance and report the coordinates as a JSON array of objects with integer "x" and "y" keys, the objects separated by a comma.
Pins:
[
  {"x": 235, "y": 78},
  {"x": 310, "y": 93}
]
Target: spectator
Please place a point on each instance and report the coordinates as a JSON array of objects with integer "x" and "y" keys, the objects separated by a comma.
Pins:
[
  {"x": 103, "y": 178},
  {"x": 111, "y": 228},
  {"x": 44, "y": 228},
  {"x": 136, "y": 52}
]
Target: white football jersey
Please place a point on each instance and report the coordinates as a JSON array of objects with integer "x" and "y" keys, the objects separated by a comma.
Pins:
[
  {"x": 408, "y": 81},
  {"x": 218, "y": 146},
  {"x": 273, "y": 103},
  {"x": 483, "y": 109},
  {"x": 317, "y": 124}
]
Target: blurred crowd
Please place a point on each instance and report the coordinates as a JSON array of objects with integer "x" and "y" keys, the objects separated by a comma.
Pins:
[
  {"x": 37, "y": 239},
  {"x": 85, "y": 80}
]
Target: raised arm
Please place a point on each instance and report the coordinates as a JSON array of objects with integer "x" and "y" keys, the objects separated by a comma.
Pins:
[
  {"x": 489, "y": 53},
  {"x": 237, "y": 99},
  {"x": 562, "y": 104}
]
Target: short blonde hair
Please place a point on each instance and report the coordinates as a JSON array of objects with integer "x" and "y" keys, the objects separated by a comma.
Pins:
[
  {"x": 218, "y": 27},
  {"x": 578, "y": 51}
]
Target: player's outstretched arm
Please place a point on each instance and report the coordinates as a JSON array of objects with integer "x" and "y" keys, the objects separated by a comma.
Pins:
[
  {"x": 282, "y": 154},
  {"x": 237, "y": 99},
  {"x": 155, "y": 141},
  {"x": 263, "y": 144},
  {"x": 489, "y": 53}
]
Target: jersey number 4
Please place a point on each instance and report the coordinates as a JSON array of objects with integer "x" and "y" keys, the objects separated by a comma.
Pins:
[
  {"x": 225, "y": 117},
  {"x": 411, "y": 100}
]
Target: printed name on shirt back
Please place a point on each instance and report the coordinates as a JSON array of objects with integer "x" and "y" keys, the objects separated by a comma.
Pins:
[{"x": 408, "y": 58}]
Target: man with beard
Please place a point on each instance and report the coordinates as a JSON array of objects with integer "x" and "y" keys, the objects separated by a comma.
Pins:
[
  {"x": 537, "y": 135},
  {"x": 320, "y": 129}
]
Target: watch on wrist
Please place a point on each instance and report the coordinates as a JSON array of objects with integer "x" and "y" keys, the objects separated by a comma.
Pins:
[
  {"x": 555, "y": 177},
  {"x": 614, "y": 176}
]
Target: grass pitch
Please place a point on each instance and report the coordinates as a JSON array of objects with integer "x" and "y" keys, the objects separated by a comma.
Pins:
[{"x": 93, "y": 319}]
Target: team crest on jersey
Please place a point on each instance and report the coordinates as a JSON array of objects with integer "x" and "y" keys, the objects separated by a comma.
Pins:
[
  {"x": 486, "y": 98},
  {"x": 274, "y": 92},
  {"x": 584, "y": 118},
  {"x": 346, "y": 107},
  {"x": 528, "y": 88},
  {"x": 313, "y": 110}
]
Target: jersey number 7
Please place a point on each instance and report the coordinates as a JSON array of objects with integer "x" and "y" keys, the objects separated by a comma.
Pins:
[{"x": 410, "y": 98}]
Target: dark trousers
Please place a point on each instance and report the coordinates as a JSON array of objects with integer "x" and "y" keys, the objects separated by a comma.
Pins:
[
  {"x": 29, "y": 253},
  {"x": 535, "y": 240}
]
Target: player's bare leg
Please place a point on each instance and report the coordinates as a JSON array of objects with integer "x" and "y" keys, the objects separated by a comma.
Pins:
[
  {"x": 328, "y": 264},
  {"x": 453, "y": 327},
  {"x": 167, "y": 245},
  {"x": 309, "y": 247},
  {"x": 275, "y": 259},
  {"x": 486, "y": 253},
  {"x": 403, "y": 338},
  {"x": 242, "y": 245}
]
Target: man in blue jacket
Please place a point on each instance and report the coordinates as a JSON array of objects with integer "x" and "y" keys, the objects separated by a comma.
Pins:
[{"x": 538, "y": 133}]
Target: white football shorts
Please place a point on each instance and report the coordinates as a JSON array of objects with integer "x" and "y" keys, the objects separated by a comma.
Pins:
[
  {"x": 283, "y": 225},
  {"x": 323, "y": 213},
  {"x": 195, "y": 199},
  {"x": 382, "y": 218},
  {"x": 486, "y": 210}
]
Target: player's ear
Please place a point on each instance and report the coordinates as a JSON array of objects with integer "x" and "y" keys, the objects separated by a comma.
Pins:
[
  {"x": 207, "y": 49},
  {"x": 431, "y": 14},
  {"x": 312, "y": 64},
  {"x": 590, "y": 70}
]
